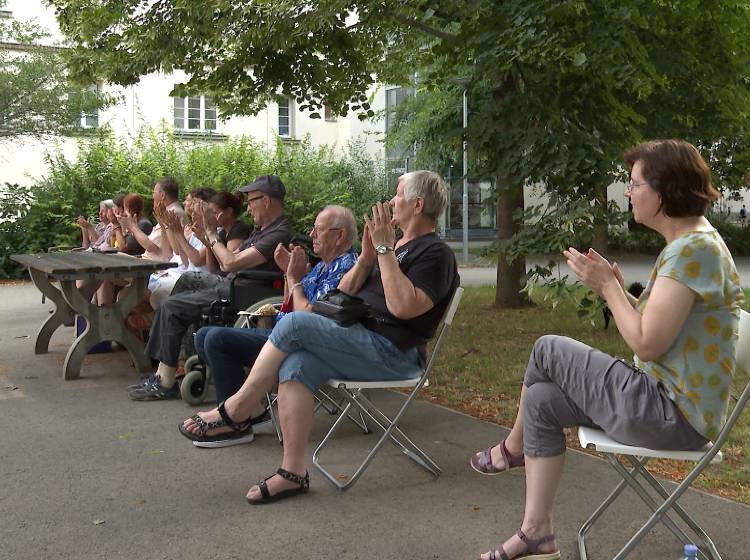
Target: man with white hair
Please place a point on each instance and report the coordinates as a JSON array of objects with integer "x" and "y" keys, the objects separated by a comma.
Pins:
[
  {"x": 228, "y": 350},
  {"x": 408, "y": 284}
]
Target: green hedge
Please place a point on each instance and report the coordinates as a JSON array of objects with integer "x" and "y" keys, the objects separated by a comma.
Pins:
[{"x": 33, "y": 219}]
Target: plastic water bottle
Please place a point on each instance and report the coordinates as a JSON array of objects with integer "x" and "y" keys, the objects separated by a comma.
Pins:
[{"x": 690, "y": 552}]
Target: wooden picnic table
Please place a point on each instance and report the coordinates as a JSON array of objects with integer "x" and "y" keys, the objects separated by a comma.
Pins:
[{"x": 106, "y": 322}]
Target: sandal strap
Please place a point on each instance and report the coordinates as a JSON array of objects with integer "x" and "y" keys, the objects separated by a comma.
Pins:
[
  {"x": 204, "y": 426},
  {"x": 263, "y": 487},
  {"x": 304, "y": 482},
  {"x": 224, "y": 415},
  {"x": 499, "y": 553},
  {"x": 532, "y": 545},
  {"x": 511, "y": 460}
]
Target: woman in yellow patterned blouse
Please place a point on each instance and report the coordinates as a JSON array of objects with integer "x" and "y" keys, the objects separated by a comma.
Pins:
[{"x": 682, "y": 330}]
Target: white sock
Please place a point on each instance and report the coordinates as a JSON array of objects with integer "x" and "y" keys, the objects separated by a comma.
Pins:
[{"x": 166, "y": 374}]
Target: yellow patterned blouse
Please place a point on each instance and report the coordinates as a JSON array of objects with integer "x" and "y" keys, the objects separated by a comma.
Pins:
[{"x": 697, "y": 370}]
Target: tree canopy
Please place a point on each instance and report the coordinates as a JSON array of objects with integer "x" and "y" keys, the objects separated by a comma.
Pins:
[
  {"x": 557, "y": 88},
  {"x": 37, "y": 96}
]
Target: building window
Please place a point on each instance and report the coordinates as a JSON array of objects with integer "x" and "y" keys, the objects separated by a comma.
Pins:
[
  {"x": 285, "y": 118},
  {"x": 90, "y": 119},
  {"x": 393, "y": 98},
  {"x": 329, "y": 115},
  {"x": 196, "y": 114}
]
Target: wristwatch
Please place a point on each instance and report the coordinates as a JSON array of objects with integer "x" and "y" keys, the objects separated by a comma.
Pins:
[
  {"x": 214, "y": 242},
  {"x": 383, "y": 249}
]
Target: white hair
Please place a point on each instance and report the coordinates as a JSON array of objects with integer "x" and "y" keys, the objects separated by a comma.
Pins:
[{"x": 430, "y": 187}]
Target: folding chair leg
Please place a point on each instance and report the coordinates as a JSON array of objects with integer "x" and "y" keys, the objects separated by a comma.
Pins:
[
  {"x": 274, "y": 417},
  {"x": 390, "y": 432},
  {"x": 650, "y": 502},
  {"x": 333, "y": 407},
  {"x": 594, "y": 516},
  {"x": 660, "y": 513},
  {"x": 409, "y": 447},
  {"x": 670, "y": 503}
]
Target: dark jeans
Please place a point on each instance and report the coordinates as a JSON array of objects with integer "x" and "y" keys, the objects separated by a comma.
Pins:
[{"x": 227, "y": 351}]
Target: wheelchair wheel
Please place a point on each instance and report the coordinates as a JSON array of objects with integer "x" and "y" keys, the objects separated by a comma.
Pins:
[
  {"x": 194, "y": 386},
  {"x": 191, "y": 362},
  {"x": 243, "y": 321}
]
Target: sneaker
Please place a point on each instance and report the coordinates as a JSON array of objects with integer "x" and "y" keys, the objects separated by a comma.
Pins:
[
  {"x": 145, "y": 381},
  {"x": 153, "y": 391}
]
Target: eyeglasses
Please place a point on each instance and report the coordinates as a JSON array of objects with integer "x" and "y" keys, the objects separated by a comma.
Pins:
[
  {"x": 249, "y": 200},
  {"x": 317, "y": 230},
  {"x": 631, "y": 186}
]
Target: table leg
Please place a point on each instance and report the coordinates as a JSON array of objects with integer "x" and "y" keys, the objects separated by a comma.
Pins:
[
  {"x": 62, "y": 314},
  {"x": 133, "y": 295},
  {"x": 105, "y": 322}
]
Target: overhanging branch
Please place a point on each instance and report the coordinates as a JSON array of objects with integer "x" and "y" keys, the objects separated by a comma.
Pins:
[{"x": 415, "y": 23}]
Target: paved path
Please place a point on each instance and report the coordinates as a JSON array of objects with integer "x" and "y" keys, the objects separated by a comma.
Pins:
[
  {"x": 634, "y": 269},
  {"x": 87, "y": 474}
]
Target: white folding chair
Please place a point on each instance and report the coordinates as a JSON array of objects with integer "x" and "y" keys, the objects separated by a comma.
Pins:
[
  {"x": 638, "y": 457},
  {"x": 353, "y": 392},
  {"x": 322, "y": 398}
]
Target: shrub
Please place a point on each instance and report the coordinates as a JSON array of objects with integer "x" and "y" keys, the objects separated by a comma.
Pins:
[{"x": 33, "y": 219}]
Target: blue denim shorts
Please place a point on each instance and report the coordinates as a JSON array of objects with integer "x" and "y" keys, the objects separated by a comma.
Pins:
[{"x": 320, "y": 349}]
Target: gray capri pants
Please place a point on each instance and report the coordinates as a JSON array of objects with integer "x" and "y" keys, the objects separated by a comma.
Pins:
[{"x": 571, "y": 384}]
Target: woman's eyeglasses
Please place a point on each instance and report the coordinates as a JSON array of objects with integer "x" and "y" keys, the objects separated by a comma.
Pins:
[{"x": 631, "y": 186}]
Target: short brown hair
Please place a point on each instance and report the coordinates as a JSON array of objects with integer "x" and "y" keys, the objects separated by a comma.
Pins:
[
  {"x": 169, "y": 186},
  {"x": 133, "y": 203},
  {"x": 676, "y": 170}
]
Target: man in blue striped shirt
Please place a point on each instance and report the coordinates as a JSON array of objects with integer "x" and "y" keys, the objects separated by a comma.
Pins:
[{"x": 228, "y": 351}]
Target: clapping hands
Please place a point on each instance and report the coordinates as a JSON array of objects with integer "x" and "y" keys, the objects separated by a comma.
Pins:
[
  {"x": 210, "y": 223},
  {"x": 380, "y": 228},
  {"x": 592, "y": 270}
]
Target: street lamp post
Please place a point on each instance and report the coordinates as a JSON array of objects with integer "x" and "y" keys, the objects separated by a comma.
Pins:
[{"x": 465, "y": 197}]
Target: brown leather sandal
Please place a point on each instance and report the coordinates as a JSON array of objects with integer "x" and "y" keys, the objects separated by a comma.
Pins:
[
  {"x": 532, "y": 549},
  {"x": 482, "y": 461}
]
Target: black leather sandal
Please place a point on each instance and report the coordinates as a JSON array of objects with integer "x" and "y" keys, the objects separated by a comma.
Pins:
[
  {"x": 267, "y": 498},
  {"x": 242, "y": 432}
]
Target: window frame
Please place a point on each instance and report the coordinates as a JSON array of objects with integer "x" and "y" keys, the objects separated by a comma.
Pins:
[
  {"x": 204, "y": 108},
  {"x": 289, "y": 103},
  {"x": 93, "y": 116}
]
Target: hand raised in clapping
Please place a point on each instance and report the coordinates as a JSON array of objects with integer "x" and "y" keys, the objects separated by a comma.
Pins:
[
  {"x": 592, "y": 270},
  {"x": 171, "y": 220},
  {"x": 282, "y": 255},
  {"x": 298, "y": 265},
  {"x": 126, "y": 221},
  {"x": 160, "y": 211},
  {"x": 380, "y": 226},
  {"x": 210, "y": 223}
]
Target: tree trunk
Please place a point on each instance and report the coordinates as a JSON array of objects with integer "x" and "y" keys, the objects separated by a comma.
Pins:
[
  {"x": 600, "y": 242},
  {"x": 509, "y": 275}
]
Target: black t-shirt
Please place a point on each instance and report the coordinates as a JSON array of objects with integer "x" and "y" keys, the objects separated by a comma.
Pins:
[
  {"x": 431, "y": 266},
  {"x": 265, "y": 241},
  {"x": 132, "y": 247},
  {"x": 240, "y": 230}
]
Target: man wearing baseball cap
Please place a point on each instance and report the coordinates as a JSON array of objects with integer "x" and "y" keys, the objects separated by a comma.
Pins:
[{"x": 265, "y": 203}]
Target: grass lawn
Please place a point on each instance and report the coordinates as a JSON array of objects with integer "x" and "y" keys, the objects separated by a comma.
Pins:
[{"x": 481, "y": 368}]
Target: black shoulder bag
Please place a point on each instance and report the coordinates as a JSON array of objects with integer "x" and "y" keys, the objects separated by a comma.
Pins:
[{"x": 341, "y": 307}]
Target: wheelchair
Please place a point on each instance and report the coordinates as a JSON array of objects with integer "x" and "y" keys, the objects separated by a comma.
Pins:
[{"x": 249, "y": 290}]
